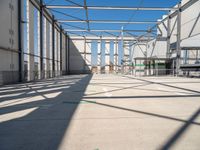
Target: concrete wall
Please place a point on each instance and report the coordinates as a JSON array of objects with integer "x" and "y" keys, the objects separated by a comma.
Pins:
[
  {"x": 9, "y": 49},
  {"x": 190, "y": 26},
  {"x": 139, "y": 50},
  {"x": 157, "y": 48},
  {"x": 78, "y": 60},
  {"x": 81, "y": 53},
  {"x": 9, "y": 41}
]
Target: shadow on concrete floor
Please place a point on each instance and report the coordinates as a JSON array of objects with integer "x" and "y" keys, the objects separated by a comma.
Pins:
[{"x": 38, "y": 118}]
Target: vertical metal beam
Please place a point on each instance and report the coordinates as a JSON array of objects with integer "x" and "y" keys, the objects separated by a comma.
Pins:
[
  {"x": 147, "y": 63},
  {"x": 100, "y": 53},
  {"x": 41, "y": 39},
  {"x": 168, "y": 35},
  {"x": 84, "y": 53},
  {"x": 53, "y": 45},
  {"x": 68, "y": 55},
  {"x": 178, "y": 47},
  {"x": 122, "y": 40},
  {"x": 20, "y": 55},
  {"x": 61, "y": 45},
  {"x": 116, "y": 54},
  {"x": 86, "y": 12}
]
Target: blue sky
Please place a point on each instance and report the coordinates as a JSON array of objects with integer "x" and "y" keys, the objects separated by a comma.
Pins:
[{"x": 113, "y": 14}]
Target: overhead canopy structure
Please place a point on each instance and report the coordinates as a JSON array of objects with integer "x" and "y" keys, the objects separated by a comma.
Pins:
[{"x": 90, "y": 29}]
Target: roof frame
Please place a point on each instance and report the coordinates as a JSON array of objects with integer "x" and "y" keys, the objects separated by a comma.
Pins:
[{"x": 85, "y": 7}]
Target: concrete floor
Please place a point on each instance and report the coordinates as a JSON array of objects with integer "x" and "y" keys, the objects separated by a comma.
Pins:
[{"x": 101, "y": 112}]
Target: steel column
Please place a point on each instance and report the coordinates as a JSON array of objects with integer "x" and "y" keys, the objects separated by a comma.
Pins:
[
  {"x": 68, "y": 54},
  {"x": 84, "y": 53},
  {"x": 20, "y": 54},
  {"x": 178, "y": 47},
  {"x": 41, "y": 39},
  {"x": 53, "y": 45},
  {"x": 168, "y": 35},
  {"x": 86, "y": 12},
  {"x": 61, "y": 45},
  {"x": 116, "y": 55}
]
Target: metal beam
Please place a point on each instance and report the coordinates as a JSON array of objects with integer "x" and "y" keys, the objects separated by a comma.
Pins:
[
  {"x": 20, "y": 41},
  {"x": 41, "y": 39},
  {"x": 107, "y": 21},
  {"x": 67, "y": 54},
  {"x": 108, "y": 30},
  {"x": 53, "y": 45},
  {"x": 73, "y": 3},
  {"x": 110, "y": 8},
  {"x": 86, "y": 13},
  {"x": 65, "y": 14},
  {"x": 182, "y": 8},
  {"x": 111, "y": 34},
  {"x": 178, "y": 47},
  {"x": 168, "y": 35},
  {"x": 73, "y": 26},
  {"x": 61, "y": 47}
]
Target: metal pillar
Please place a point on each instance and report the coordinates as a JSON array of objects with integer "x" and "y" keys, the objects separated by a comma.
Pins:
[
  {"x": 53, "y": 45},
  {"x": 100, "y": 53},
  {"x": 122, "y": 42},
  {"x": 86, "y": 13},
  {"x": 41, "y": 39},
  {"x": 168, "y": 35},
  {"x": 84, "y": 53},
  {"x": 116, "y": 55},
  {"x": 67, "y": 54},
  {"x": 178, "y": 47},
  {"x": 147, "y": 63},
  {"x": 20, "y": 54},
  {"x": 61, "y": 44}
]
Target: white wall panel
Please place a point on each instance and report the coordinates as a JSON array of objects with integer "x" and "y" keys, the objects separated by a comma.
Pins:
[
  {"x": 191, "y": 42},
  {"x": 137, "y": 51},
  {"x": 5, "y": 60},
  {"x": 15, "y": 24},
  {"x": 5, "y": 17},
  {"x": 173, "y": 31},
  {"x": 157, "y": 49},
  {"x": 79, "y": 44},
  {"x": 190, "y": 23}
]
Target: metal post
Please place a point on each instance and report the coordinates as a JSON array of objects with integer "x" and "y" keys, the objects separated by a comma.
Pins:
[
  {"x": 67, "y": 54},
  {"x": 41, "y": 39},
  {"x": 140, "y": 67},
  {"x": 84, "y": 53},
  {"x": 123, "y": 58},
  {"x": 100, "y": 54},
  {"x": 116, "y": 55},
  {"x": 20, "y": 54},
  {"x": 61, "y": 45},
  {"x": 53, "y": 45},
  {"x": 135, "y": 71},
  {"x": 86, "y": 13},
  {"x": 146, "y": 71},
  {"x": 168, "y": 35},
  {"x": 178, "y": 48}
]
